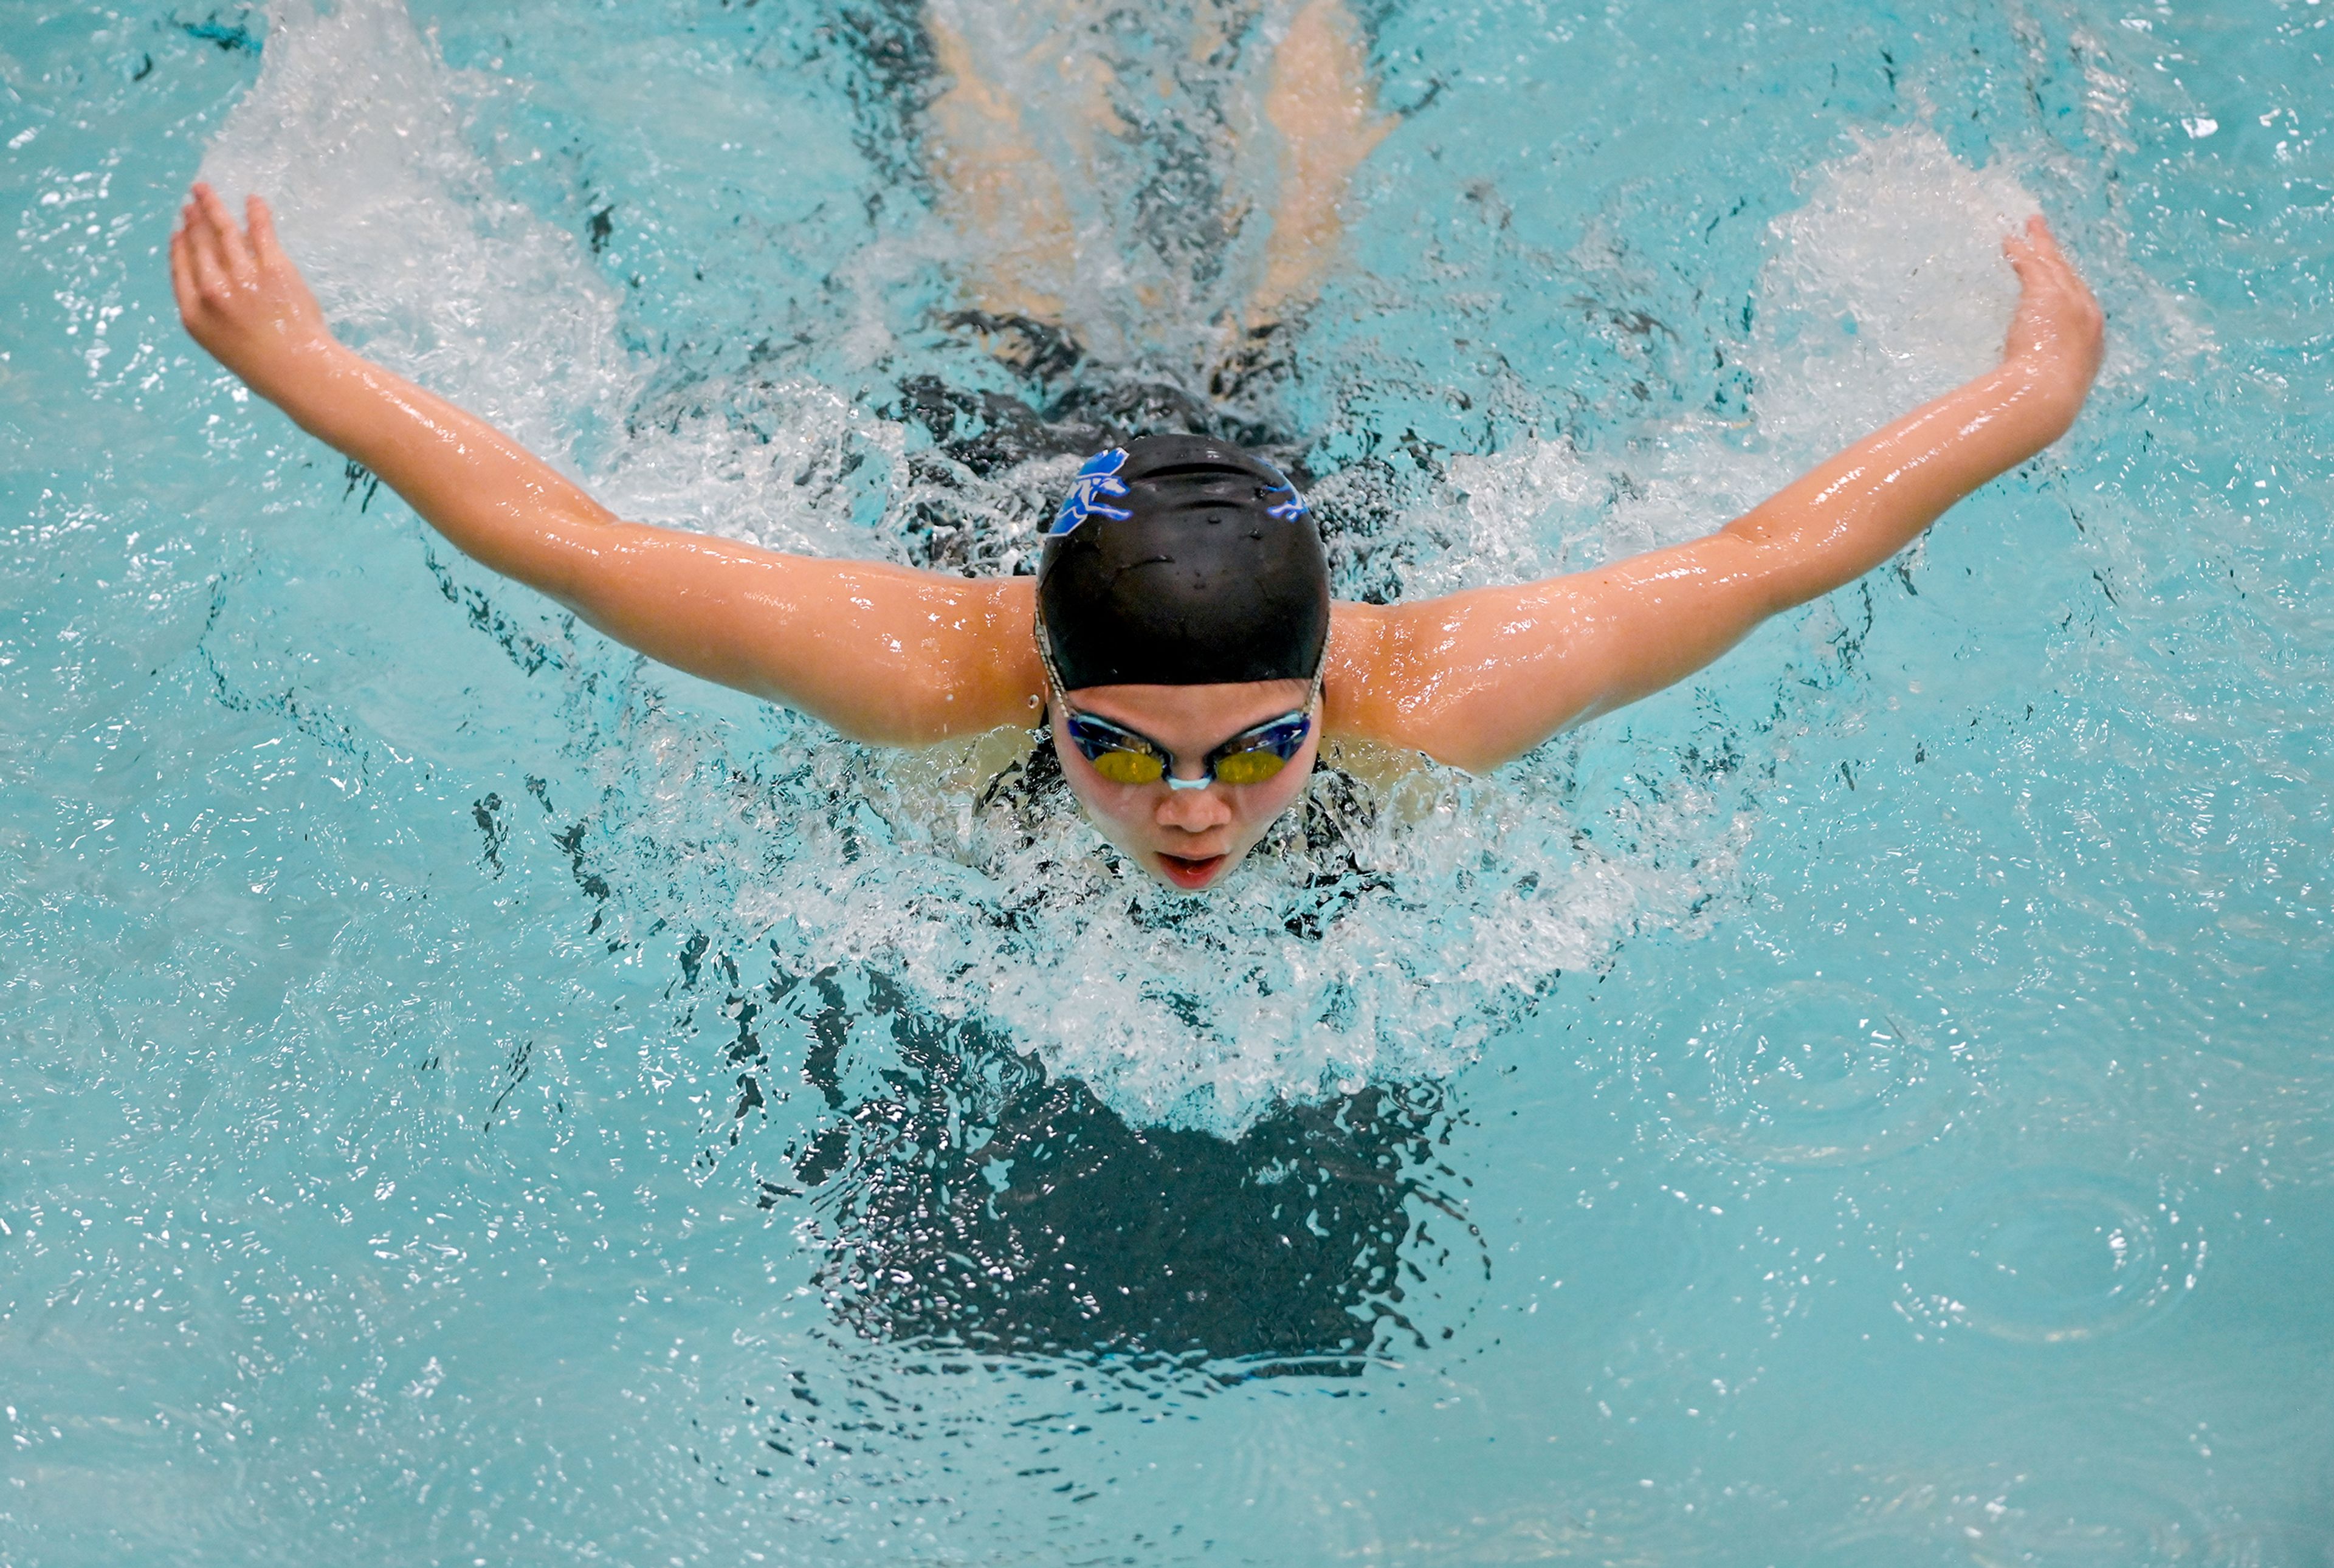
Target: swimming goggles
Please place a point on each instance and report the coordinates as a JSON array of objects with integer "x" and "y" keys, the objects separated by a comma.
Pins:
[
  {"x": 1250, "y": 757},
  {"x": 1125, "y": 757}
]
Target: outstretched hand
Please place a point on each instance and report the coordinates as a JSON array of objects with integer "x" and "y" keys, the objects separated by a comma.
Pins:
[
  {"x": 242, "y": 299},
  {"x": 2057, "y": 330}
]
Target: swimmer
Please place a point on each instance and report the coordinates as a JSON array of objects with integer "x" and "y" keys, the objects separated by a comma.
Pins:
[{"x": 1179, "y": 634}]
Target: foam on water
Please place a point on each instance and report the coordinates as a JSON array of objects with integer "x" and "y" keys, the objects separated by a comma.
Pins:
[
  {"x": 353, "y": 132},
  {"x": 1391, "y": 926},
  {"x": 380, "y": 1181}
]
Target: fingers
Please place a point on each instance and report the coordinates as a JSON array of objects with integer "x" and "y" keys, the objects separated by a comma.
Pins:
[
  {"x": 2035, "y": 256},
  {"x": 2034, "y": 233},
  {"x": 204, "y": 267},
  {"x": 2058, "y": 322},
  {"x": 265, "y": 246},
  {"x": 2038, "y": 245},
  {"x": 182, "y": 275},
  {"x": 225, "y": 235}
]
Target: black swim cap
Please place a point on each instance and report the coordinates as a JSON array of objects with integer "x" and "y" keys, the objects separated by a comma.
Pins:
[{"x": 1183, "y": 560}]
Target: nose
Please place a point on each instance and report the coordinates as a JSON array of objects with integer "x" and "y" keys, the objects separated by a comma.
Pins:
[{"x": 1192, "y": 811}]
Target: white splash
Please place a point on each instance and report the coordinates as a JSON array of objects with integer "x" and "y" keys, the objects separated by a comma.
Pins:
[
  {"x": 1888, "y": 288},
  {"x": 1425, "y": 912},
  {"x": 353, "y": 135}
]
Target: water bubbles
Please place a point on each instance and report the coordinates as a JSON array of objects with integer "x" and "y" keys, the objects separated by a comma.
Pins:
[
  {"x": 398, "y": 224},
  {"x": 2046, "y": 1257},
  {"x": 1386, "y": 931},
  {"x": 1816, "y": 1073},
  {"x": 1894, "y": 285}
]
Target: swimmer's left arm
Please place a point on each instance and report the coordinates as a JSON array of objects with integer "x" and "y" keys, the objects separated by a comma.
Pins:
[{"x": 1476, "y": 679}]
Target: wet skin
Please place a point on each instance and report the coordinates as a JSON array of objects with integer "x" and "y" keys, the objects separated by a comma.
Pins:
[
  {"x": 1187, "y": 839},
  {"x": 894, "y": 656}
]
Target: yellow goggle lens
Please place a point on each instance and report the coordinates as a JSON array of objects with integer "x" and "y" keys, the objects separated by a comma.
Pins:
[
  {"x": 1130, "y": 767},
  {"x": 1248, "y": 767}
]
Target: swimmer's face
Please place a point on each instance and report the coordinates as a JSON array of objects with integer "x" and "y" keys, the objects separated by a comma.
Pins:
[{"x": 1186, "y": 838}]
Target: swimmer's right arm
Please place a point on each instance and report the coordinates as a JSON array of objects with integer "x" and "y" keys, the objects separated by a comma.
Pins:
[{"x": 885, "y": 654}]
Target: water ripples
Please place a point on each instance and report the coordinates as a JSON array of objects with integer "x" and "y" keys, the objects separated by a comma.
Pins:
[
  {"x": 2076, "y": 1521},
  {"x": 1817, "y": 1072},
  {"x": 2047, "y": 1256}
]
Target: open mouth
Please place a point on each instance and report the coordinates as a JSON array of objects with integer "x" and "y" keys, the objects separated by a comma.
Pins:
[{"x": 1190, "y": 873}]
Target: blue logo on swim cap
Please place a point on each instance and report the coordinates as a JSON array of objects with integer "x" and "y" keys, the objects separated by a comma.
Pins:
[
  {"x": 1097, "y": 480},
  {"x": 1294, "y": 507}
]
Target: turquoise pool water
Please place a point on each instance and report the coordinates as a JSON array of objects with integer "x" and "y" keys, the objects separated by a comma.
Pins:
[{"x": 469, "y": 1097}]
